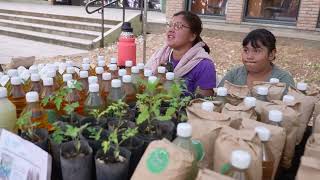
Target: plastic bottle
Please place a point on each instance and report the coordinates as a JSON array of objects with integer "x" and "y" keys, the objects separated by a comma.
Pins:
[
  {"x": 48, "y": 90},
  {"x": 99, "y": 71},
  {"x": 275, "y": 117},
  {"x": 72, "y": 71},
  {"x": 302, "y": 87},
  {"x": 93, "y": 80},
  {"x": 207, "y": 106},
  {"x": 240, "y": 162},
  {"x": 113, "y": 68},
  {"x": 116, "y": 93},
  {"x": 33, "y": 69},
  {"x": 17, "y": 95},
  {"x": 66, "y": 78},
  {"x": 8, "y": 114},
  {"x": 126, "y": 45},
  {"x": 161, "y": 74},
  {"x": 113, "y": 60},
  {"x": 94, "y": 101},
  {"x": 169, "y": 81},
  {"x": 102, "y": 63},
  {"x": 183, "y": 140},
  {"x": 135, "y": 75},
  {"x": 222, "y": 93},
  {"x": 274, "y": 80},
  {"x": 121, "y": 73},
  {"x": 129, "y": 90},
  {"x": 262, "y": 93},
  {"x": 73, "y": 97},
  {"x": 35, "y": 83},
  {"x": 85, "y": 84},
  {"x": 141, "y": 68},
  {"x": 53, "y": 74},
  {"x": 288, "y": 99},
  {"x": 106, "y": 85},
  {"x": 128, "y": 65},
  {"x": 267, "y": 156}
]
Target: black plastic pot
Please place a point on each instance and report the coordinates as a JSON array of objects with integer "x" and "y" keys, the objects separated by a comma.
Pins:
[
  {"x": 77, "y": 167},
  {"x": 112, "y": 171},
  {"x": 42, "y": 142}
]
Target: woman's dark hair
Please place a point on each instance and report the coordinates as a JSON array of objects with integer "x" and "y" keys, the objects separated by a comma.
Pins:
[
  {"x": 262, "y": 36},
  {"x": 195, "y": 25}
]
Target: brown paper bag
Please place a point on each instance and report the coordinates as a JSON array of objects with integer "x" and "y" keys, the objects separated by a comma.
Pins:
[
  {"x": 309, "y": 169},
  {"x": 236, "y": 93},
  {"x": 312, "y": 148},
  {"x": 240, "y": 111},
  {"x": 230, "y": 139},
  {"x": 275, "y": 91},
  {"x": 276, "y": 142},
  {"x": 164, "y": 160},
  {"x": 290, "y": 123},
  {"x": 316, "y": 111},
  {"x": 206, "y": 174},
  {"x": 316, "y": 125},
  {"x": 306, "y": 110}
]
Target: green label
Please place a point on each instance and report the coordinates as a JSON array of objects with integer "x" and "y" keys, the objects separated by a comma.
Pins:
[
  {"x": 199, "y": 149},
  {"x": 52, "y": 116},
  {"x": 158, "y": 160}
]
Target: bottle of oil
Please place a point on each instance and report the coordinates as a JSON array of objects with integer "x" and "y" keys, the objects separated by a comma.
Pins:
[
  {"x": 275, "y": 118},
  {"x": 302, "y": 87},
  {"x": 53, "y": 74},
  {"x": 207, "y": 106},
  {"x": 106, "y": 85},
  {"x": 161, "y": 74},
  {"x": 94, "y": 101},
  {"x": 141, "y": 68},
  {"x": 262, "y": 93},
  {"x": 47, "y": 91},
  {"x": 113, "y": 68},
  {"x": 129, "y": 90},
  {"x": 121, "y": 73},
  {"x": 116, "y": 92},
  {"x": 85, "y": 84},
  {"x": 35, "y": 83},
  {"x": 74, "y": 96},
  {"x": 135, "y": 75},
  {"x": 99, "y": 71},
  {"x": 128, "y": 65},
  {"x": 267, "y": 156},
  {"x": 66, "y": 78},
  {"x": 17, "y": 95},
  {"x": 8, "y": 114},
  {"x": 240, "y": 162}
]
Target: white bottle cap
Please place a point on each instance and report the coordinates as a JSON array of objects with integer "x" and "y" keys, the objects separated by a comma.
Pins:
[
  {"x": 147, "y": 72},
  {"x": 15, "y": 80},
  {"x": 69, "y": 63},
  {"x": 222, "y": 91},
  {"x": 33, "y": 69},
  {"x": 275, "y": 116},
  {"x": 161, "y": 70},
  {"x": 302, "y": 86},
  {"x": 240, "y": 159},
  {"x": 1, "y": 74},
  {"x": 48, "y": 81},
  {"x": 99, "y": 70},
  {"x": 71, "y": 84},
  {"x": 35, "y": 77},
  {"x": 32, "y": 96},
  {"x": 113, "y": 60},
  {"x": 21, "y": 69},
  {"x": 135, "y": 69},
  {"x": 250, "y": 101},
  {"x": 115, "y": 83},
  {"x": 93, "y": 80},
  {"x": 207, "y": 106},
  {"x": 13, "y": 72},
  {"x": 94, "y": 88},
  {"x": 263, "y": 133},
  {"x": 184, "y": 130},
  {"x": 140, "y": 66},
  {"x": 86, "y": 60},
  {"x": 274, "y": 80},
  {"x": 70, "y": 70},
  {"x": 100, "y": 58},
  {"x": 83, "y": 74},
  {"x": 67, "y": 77},
  {"x": 3, "y": 92},
  {"x": 113, "y": 67},
  {"x": 170, "y": 76},
  {"x": 52, "y": 73},
  {"x": 106, "y": 76},
  {"x": 101, "y": 63},
  {"x": 152, "y": 79},
  {"x": 128, "y": 63},
  {"x": 288, "y": 99},
  {"x": 85, "y": 67},
  {"x": 261, "y": 90},
  {"x": 126, "y": 79},
  {"x": 40, "y": 66},
  {"x": 122, "y": 72}
]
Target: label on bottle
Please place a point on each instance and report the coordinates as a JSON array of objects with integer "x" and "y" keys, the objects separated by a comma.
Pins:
[
  {"x": 158, "y": 160},
  {"x": 198, "y": 149}
]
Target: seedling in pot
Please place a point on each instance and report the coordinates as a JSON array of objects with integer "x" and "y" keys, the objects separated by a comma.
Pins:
[
  {"x": 58, "y": 136},
  {"x": 74, "y": 134},
  {"x": 95, "y": 134},
  {"x": 27, "y": 127}
]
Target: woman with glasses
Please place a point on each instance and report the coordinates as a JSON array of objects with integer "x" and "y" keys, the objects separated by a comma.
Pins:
[{"x": 186, "y": 54}]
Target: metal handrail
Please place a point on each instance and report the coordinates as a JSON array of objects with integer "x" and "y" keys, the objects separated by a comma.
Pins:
[{"x": 94, "y": 1}]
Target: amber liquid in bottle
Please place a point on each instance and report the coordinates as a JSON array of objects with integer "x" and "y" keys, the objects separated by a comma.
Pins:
[
  {"x": 105, "y": 88},
  {"x": 73, "y": 97},
  {"x": 85, "y": 88},
  {"x": 130, "y": 93},
  {"x": 36, "y": 86},
  {"x": 50, "y": 108},
  {"x": 115, "y": 95},
  {"x": 93, "y": 102},
  {"x": 38, "y": 115},
  {"x": 267, "y": 162},
  {"x": 17, "y": 97}
]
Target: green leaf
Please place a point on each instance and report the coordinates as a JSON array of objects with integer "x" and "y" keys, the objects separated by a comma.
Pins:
[
  {"x": 130, "y": 132},
  {"x": 45, "y": 101},
  {"x": 105, "y": 146},
  {"x": 69, "y": 108},
  {"x": 143, "y": 116},
  {"x": 58, "y": 101}
]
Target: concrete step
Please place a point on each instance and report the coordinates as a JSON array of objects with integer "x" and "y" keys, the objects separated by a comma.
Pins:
[
  {"x": 68, "y": 32},
  {"x": 55, "y": 22},
  {"x": 58, "y": 16},
  {"x": 47, "y": 38}
]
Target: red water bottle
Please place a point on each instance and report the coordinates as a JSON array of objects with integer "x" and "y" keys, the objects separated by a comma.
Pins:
[{"x": 126, "y": 45}]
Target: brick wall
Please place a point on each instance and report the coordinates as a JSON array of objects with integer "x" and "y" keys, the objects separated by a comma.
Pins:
[
  {"x": 174, "y": 6},
  {"x": 234, "y": 11},
  {"x": 308, "y": 14}
]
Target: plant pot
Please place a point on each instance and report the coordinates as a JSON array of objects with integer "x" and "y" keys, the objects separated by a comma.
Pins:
[
  {"x": 74, "y": 119},
  {"x": 112, "y": 171},
  {"x": 136, "y": 147},
  {"x": 43, "y": 138},
  {"x": 76, "y": 167}
]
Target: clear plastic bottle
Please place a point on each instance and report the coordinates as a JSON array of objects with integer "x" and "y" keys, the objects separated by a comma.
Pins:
[
  {"x": 17, "y": 95},
  {"x": 8, "y": 114},
  {"x": 222, "y": 93},
  {"x": 121, "y": 73},
  {"x": 106, "y": 85},
  {"x": 66, "y": 78},
  {"x": 275, "y": 117},
  {"x": 116, "y": 93},
  {"x": 94, "y": 100},
  {"x": 35, "y": 83},
  {"x": 135, "y": 75},
  {"x": 113, "y": 68},
  {"x": 129, "y": 90},
  {"x": 207, "y": 106},
  {"x": 85, "y": 83},
  {"x": 267, "y": 156},
  {"x": 302, "y": 87},
  {"x": 161, "y": 74},
  {"x": 47, "y": 91},
  {"x": 240, "y": 162},
  {"x": 53, "y": 74},
  {"x": 262, "y": 93},
  {"x": 147, "y": 74},
  {"x": 102, "y": 63},
  {"x": 99, "y": 72},
  {"x": 72, "y": 71},
  {"x": 128, "y": 65},
  {"x": 141, "y": 68},
  {"x": 183, "y": 140},
  {"x": 169, "y": 81}
]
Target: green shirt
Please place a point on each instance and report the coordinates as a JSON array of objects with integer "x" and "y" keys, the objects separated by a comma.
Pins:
[{"x": 238, "y": 76}]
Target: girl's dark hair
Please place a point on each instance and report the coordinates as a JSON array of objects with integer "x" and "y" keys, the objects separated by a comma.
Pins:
[
  {"x": 195, "y": 25},
  {"x": 263, "y": 36}
]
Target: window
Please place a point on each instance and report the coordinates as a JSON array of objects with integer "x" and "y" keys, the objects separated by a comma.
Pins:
[
  {"x": 275, "y": 10},
  {"x": 209, "y": 7}
]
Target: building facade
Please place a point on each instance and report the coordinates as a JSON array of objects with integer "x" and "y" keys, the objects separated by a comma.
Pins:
[{"x": 299, "y": 14}]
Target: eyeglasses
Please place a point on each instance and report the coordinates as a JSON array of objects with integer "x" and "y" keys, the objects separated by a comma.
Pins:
[{"x": 176, "y": 26}]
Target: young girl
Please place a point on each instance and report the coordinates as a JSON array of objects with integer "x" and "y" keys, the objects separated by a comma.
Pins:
[
  {"x": 258, "y": 54},
  {"x": 187, "y": 54}
]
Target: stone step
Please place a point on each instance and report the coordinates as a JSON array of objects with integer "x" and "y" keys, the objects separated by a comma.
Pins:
[{"x": 47, "y": 38}]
